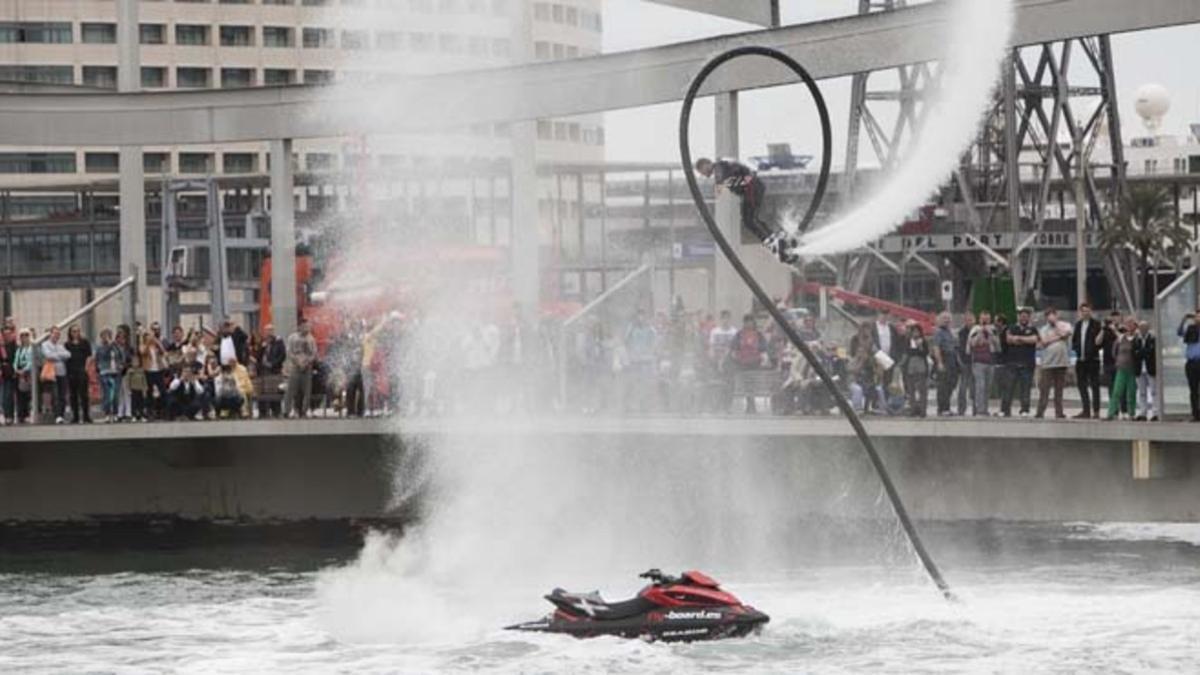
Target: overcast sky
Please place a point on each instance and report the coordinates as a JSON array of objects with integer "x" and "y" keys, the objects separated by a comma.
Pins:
[{"x": 1167, "y": 56}]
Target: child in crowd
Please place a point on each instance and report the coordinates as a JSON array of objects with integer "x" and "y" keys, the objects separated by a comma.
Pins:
[{"x": 136, "y": 376}]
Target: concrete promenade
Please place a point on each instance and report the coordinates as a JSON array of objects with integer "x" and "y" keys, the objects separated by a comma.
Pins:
[{"x": 739, "y": 426}]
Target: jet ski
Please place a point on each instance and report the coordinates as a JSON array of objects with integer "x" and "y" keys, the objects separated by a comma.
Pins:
[{"x": 686, "y": 608}]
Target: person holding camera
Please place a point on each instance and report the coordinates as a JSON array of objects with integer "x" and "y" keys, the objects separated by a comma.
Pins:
[{"x": 1189, "y": 330}]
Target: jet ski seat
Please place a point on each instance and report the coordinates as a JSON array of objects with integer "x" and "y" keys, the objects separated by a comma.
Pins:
[{"x": 591, "y": 604}]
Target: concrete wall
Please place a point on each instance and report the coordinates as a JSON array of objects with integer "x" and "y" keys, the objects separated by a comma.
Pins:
[{"x": 262, "y": 472}]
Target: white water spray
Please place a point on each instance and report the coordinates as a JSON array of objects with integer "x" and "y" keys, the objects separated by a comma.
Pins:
[{"x": 978, "y": 36}]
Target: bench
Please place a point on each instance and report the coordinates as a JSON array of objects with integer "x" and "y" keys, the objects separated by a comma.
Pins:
[{"x": 756, "y": 384}]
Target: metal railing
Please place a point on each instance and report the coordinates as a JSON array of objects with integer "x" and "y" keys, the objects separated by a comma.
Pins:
[
  {"x": 35, "y": 355},
  {"x": 1170, "y": 307},
  {"x": 569, "y": 323}
]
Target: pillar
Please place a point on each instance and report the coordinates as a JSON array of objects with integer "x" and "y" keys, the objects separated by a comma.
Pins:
[
  {"x": 131, "y": 182},
  {"x": 730, "y": 292},
  {"x": 283, "y": 239},
  {"x": 526, "y": 228}
]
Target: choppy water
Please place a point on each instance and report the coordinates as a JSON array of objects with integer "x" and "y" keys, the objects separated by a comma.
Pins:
[{"x": 1109, "y": 598}]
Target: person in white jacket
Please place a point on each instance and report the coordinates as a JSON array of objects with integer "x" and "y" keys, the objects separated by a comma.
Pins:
[{"x": 54, "y": 352}]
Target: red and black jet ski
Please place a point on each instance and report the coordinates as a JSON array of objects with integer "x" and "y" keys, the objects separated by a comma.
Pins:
[{"x": 689, "y": 607}]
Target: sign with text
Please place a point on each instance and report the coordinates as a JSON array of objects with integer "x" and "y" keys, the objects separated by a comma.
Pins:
[{"x": 1000, "y": 241}]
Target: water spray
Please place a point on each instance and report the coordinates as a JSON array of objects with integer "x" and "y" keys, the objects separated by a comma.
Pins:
[{"x": 685, "y": 152}]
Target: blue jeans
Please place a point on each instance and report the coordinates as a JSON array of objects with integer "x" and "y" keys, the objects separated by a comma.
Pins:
[{"x": 110, "y": 390}]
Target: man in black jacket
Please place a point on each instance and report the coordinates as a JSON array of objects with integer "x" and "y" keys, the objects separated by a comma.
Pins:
[
  {"x": 728, "y": 174},
  {"x": 1189, "y": 330},
  {"x": 1145, "y": 366},
  {"x": 1087, "y": 364},
  {"x": 270, "y": 366}
]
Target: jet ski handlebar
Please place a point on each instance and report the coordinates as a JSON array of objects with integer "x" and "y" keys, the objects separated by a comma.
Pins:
[{"x": 656, "y": 576}]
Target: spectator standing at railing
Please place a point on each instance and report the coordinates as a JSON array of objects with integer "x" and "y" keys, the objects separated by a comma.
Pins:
[
  {"x": 56, "y": 355},
  {"x": 1145, "y": 368},
  {"x": 77, "y": 376},
  {"x": 984, "y": 343},
  {"x": 641, "y": 351},
  {"x": 1087, "y": 361},
  {"x": 1189, "y": 332},
  {"x": 23, "y": 366},
  {"x": 186, "y": 397},
  {"x": 135, "y": 380},
  {"x": 1124, "y": 396},
  {"x": 864, "y": 387},
  {"x": 8, "y": 375},
  {"x": 301, "y": 350},
  {"x": 1054, "y": 338},
  {"x": 271, "y": 356},
  {"x": 946, "y": 360},
  {"x": 110, "y": 364},
  {"x": 914, "y": 367},
  {"x": 1022, "y": 339},
  {"x": 749, "y": 352},
  {"x": 889, "y": 341},
  {"x": 1107, "y": 341},
  {"x": 125, "y": 397},
  {"x": 966, "y": 377},
  {"x": 154, "y": 361},
  {"x": 231, "y": 331}
]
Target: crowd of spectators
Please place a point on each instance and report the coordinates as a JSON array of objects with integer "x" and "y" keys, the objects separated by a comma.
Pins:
[
  {"x": 980, "y": 365},
  {"x": 676, "y": 361}
]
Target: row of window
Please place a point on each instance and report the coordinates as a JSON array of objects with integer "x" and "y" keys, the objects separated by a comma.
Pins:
[
  {"x": 569, "y": 131},
  {"x": 568, "y": 15},
  {"x": 311, "y": 37},
  {"x": 481, "y": 7},
  {"x": 556, "y": 51},
  {"x": 155, "y": 77}
]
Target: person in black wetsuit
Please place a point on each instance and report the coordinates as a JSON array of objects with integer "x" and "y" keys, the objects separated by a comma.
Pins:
[{"x": 743, "y": 182}]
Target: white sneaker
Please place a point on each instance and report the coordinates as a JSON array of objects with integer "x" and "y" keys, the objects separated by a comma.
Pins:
[
  {"x": 1024, "y": 413},
  {"x": 59, "y": 420}
]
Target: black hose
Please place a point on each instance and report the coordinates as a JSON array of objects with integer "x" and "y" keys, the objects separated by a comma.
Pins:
[{"x": 685, "y": 152}]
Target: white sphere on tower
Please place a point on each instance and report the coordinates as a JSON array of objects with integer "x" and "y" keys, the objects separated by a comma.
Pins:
[{"x": 1152, "y": 103}]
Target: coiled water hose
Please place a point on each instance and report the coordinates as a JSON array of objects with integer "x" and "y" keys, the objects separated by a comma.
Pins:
[{"x": 685, "y": 153}]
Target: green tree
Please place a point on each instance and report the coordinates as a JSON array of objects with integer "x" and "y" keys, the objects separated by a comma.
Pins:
[{"x": 1145, "y": 224}]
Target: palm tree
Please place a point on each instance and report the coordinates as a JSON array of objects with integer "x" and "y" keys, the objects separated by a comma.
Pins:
[{"x": 1145, "y": 223}]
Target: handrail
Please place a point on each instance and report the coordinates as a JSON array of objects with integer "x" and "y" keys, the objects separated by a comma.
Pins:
[
  {"x": 584, "y": 311},
  {"x": 1160, "y": 382},
  {"x": 35, "y": 364}
]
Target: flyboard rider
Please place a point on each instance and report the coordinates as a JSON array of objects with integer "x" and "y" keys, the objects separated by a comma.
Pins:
[{"x": 728, "y": 174}]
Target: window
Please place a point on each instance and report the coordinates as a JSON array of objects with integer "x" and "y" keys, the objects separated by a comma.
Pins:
[
  {"x": 421, "y": 6},
  {"x": 541, "y": 11},
  {"x": 37, "y": 162},
  {"x": 557, "y": 12},
  {"x": 193, "y": 78},
  {"x": 35, "y": 32},
  {"x": 278, "y": 2},
  {"x": 1193, "y": 164},
  {"x": 501, "y": 47},
  {"x": 104, "y": 77},
  {"x": 152, "y": 33},
  {"x": 100, "y": 162},
  {"x": 40, "y": 74},
  {"x": 545, "y": 131},
  {"x": 277, "y": 36},
  {"x": 319, "y": 161},
  {"x": 274, "y": 77},
  {"x": 191, "y": 34},
  {"x": 558, "y": 51},
  {"x": 154, "y": 77},
  {"x": 156, "y": 162},
  {"x": 541, "y": 50},
  {"x": 318, "y": 77},
  {"x": 195, "y": 162},
  {"x": 422, "y": 42},
  {"x": 590, "y": 20},
  {"x": 449, "y": 43},
  {"x": 477, "y": 46},
  {"x": 237, "y": 36},
  {"x": 572, "y": 16},
  {"x": 239, "y": 162},
  {"x": 98, "y": 33},
  {"x": 560, "y": 131},
  {"x": 448, "y": 6},
  {"x": 314, "y": 3},
  {"x": 356, "y": 39},
  {"x": 477, "y": 6},
  {"x": 389, "y": 40},
  {"x": 232, "y": 78},
  {"x": 572, "y": 51},
  {"x": 318, "y": 38},
  {"x": 235, "y": 2}
]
